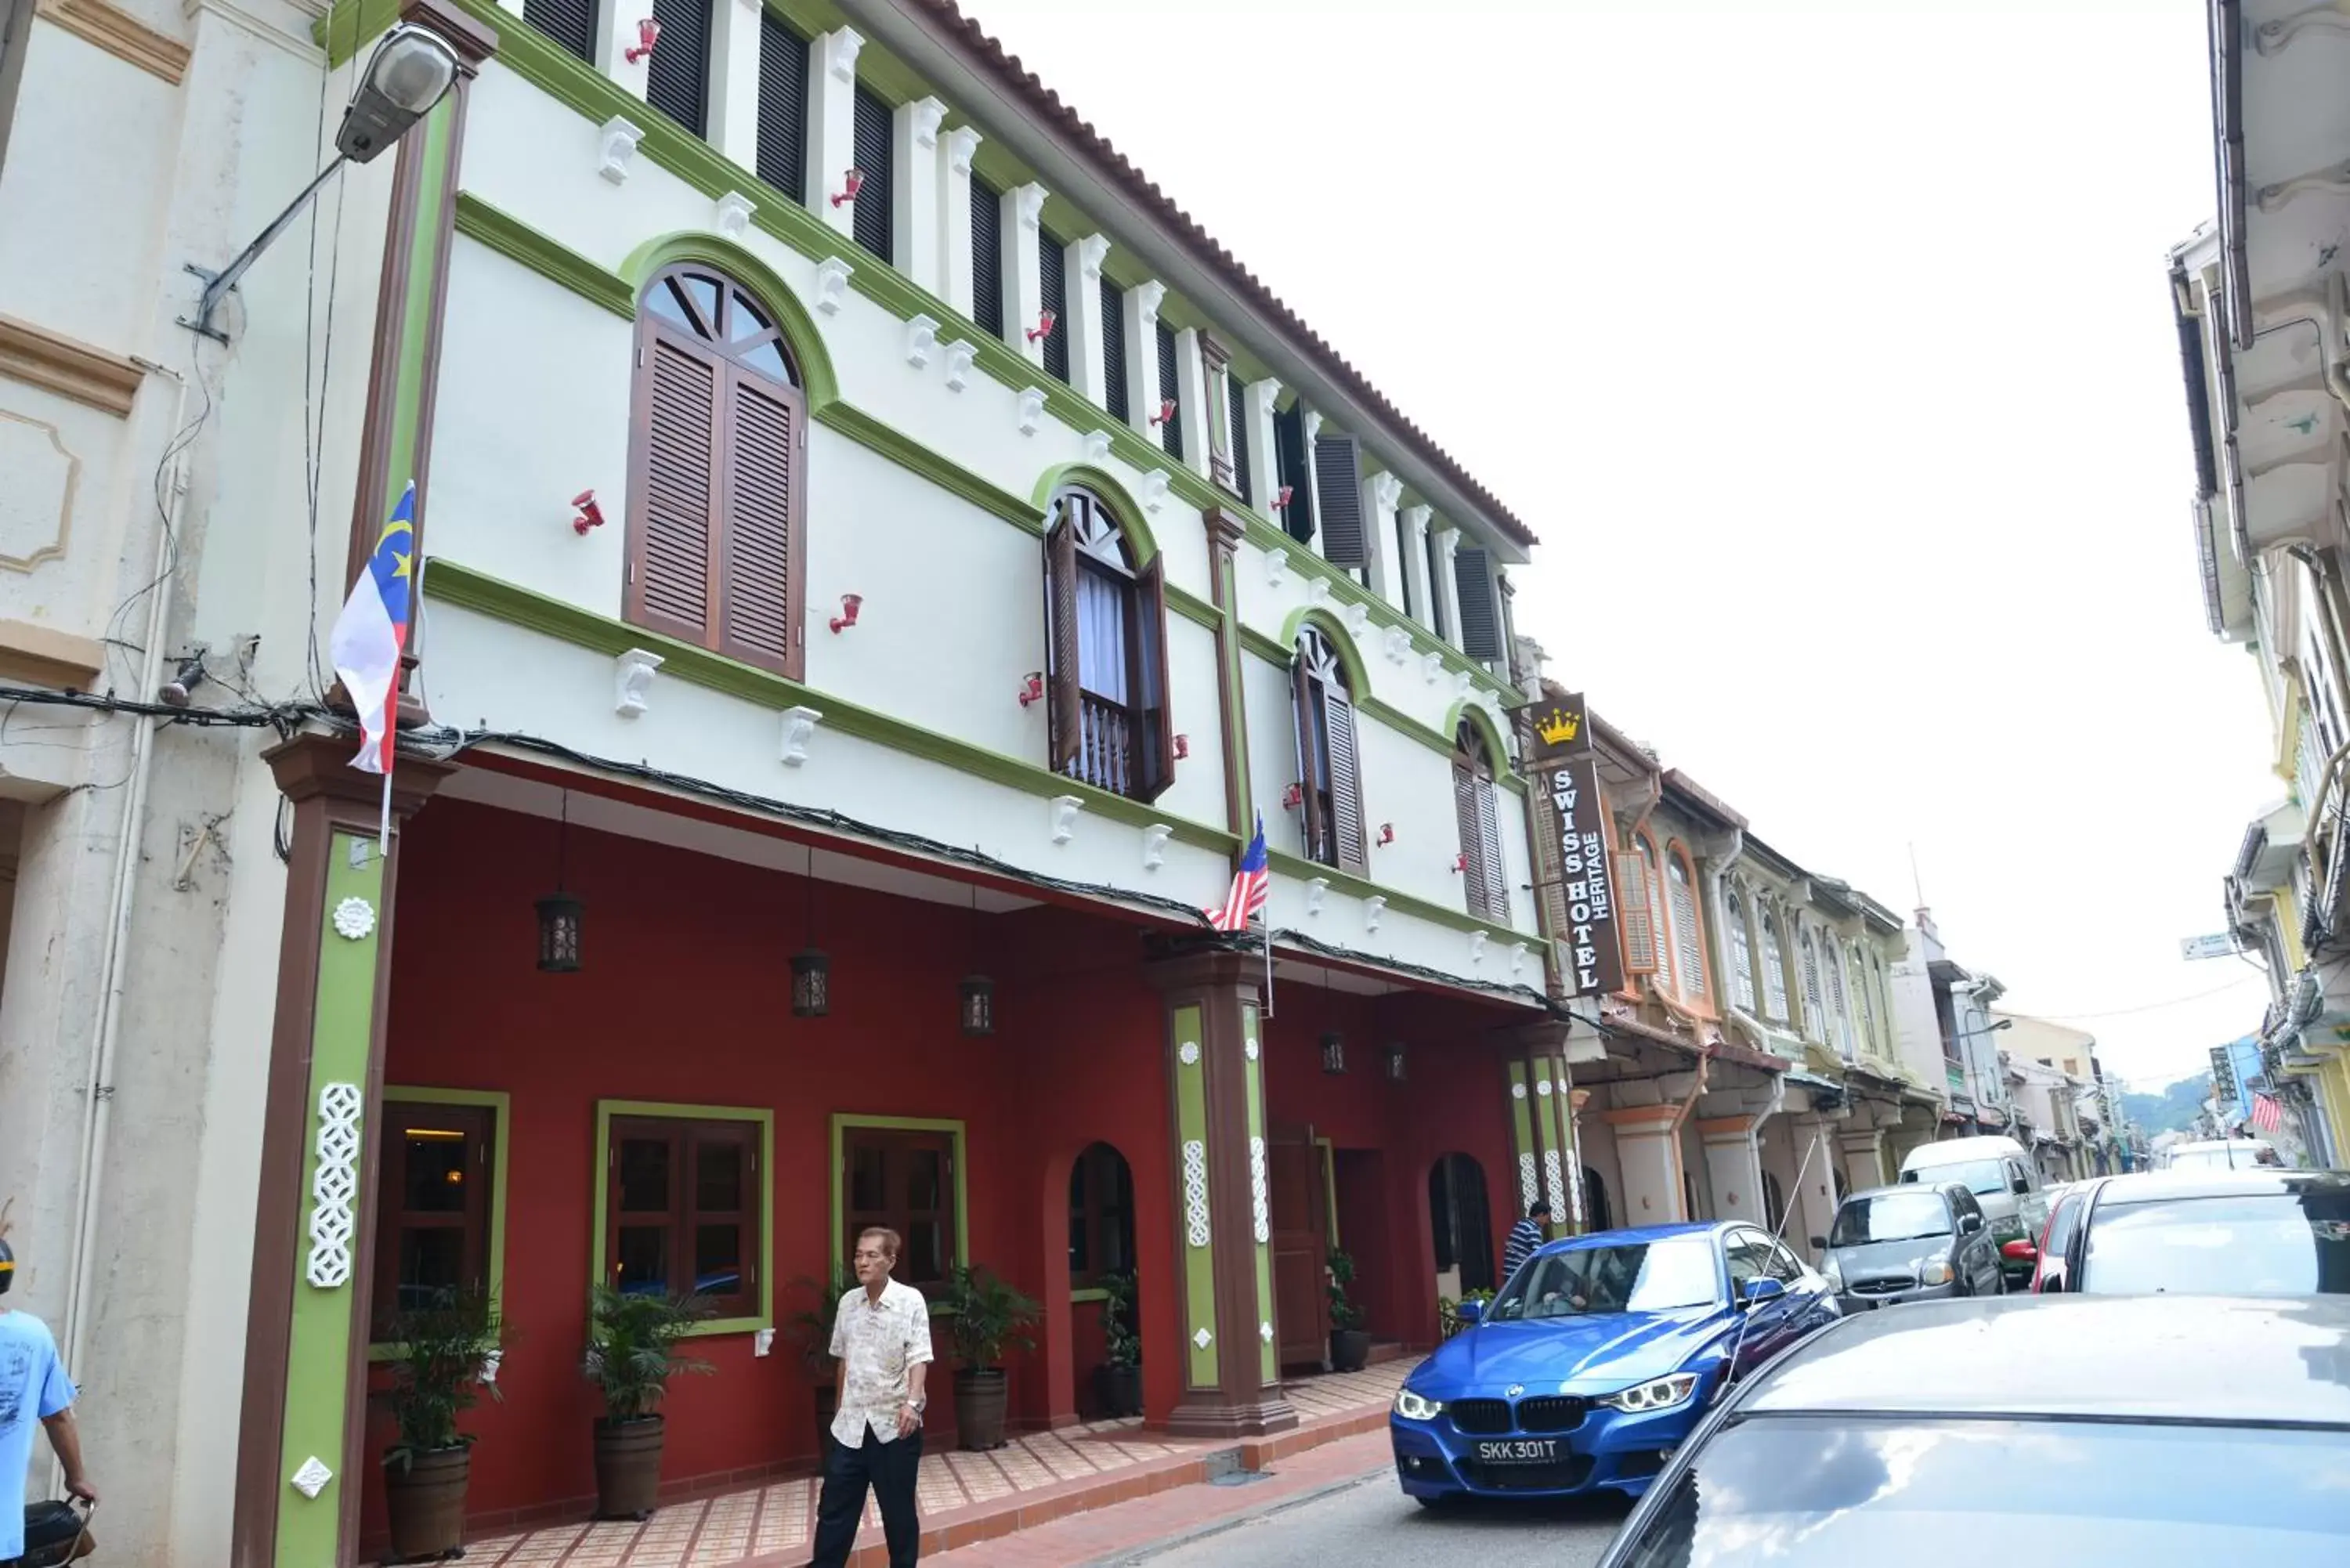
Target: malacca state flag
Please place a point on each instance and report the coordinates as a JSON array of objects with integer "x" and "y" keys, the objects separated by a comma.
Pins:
[{"x": 372, "y": 632}]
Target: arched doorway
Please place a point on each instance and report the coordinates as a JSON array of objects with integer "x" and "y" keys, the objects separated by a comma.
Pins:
[
  {"x": 1461, "y": 1224},
  {"x": 1596, "y": 1215},
  {"x": 1774, "y": 1203},
  {"x": 1105, "y": 1330}
]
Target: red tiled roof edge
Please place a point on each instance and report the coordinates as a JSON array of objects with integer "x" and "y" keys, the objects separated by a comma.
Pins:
[{"x": 986, "y": 53}]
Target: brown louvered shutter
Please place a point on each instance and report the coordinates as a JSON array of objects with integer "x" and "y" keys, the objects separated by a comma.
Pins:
[
  {"x": 758, "y": 593},
  {"x": 1064, "y": 710},
  {"x": 674, "y": 580},
  {"x": 1489, "y": 840},
  {"x": 1480, "y": 617},
  {"x": 1472, "y": 843},
  {"x": 1632, "y": 908},
  {"x": 1313, "y": 764},
  {"x": 1338, "y": 484},
  {"x": 1345, "y": 782},
  {"x": 1157, "y": 740}
]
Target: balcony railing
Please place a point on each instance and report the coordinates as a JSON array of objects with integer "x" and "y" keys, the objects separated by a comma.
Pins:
[{"x": 1105, "y": 746}]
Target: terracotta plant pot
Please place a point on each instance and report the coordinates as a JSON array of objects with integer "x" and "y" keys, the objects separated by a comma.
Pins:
[
  {"x": 628, "y": 1467},
  {"x": 426, "y": 1500},
  {"x": 1350, "y": 1349},
  {"x": 1118, "y": 1389},
  {"x": 980, "y": 1397}
]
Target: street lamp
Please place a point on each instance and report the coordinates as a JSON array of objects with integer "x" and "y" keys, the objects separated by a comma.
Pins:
[{"x": 410, "y": 72}]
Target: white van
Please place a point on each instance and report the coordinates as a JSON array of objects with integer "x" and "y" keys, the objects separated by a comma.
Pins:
[
  {"x": 2224, "y": 1153},
  {"x": 2003, "y": 1180}
]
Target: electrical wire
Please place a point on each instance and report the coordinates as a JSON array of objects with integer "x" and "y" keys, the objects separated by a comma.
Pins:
[{"x": 2148, "y": 1007}]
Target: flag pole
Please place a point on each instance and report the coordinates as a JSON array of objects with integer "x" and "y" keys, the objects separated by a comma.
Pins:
[{"x": 1268, "y": 965}]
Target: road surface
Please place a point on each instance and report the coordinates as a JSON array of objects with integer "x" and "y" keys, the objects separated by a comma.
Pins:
[{"x": 1372, "y": 1524}]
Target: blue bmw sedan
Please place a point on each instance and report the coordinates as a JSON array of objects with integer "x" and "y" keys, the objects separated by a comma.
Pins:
[{"x": 1597, "y": 1358}]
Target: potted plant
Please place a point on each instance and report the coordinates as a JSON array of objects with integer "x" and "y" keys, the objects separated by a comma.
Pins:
[
  {"x": 1350, "y": 1344},
  {"x": 442, "y": 1355},
  {"x": 632, "y": 1352},
  {"x": 1118, "y": 1381},
  {"x": 811, "y": 1327},
  {"x": 987, "y": 1317}
]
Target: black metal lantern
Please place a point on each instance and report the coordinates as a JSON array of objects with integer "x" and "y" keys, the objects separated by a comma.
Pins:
[
  {"x": 978, "y": 994},
  {"x": 811, "y": 984},
  {"x": 1333, "y": 1052},
  {"x": 559, "y": 912},
  {"x": 1395, "y": 1063}
]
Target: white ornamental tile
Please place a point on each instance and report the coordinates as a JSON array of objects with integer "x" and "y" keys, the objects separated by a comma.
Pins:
[
  {"x": 1260, "y": 1192},
  {"x": 1187, "y": 1053},
  {"x": 354, "y": 919},
  {"x": 1555, "y": 1180},
  {"x": 1195, "y": 1192},
  {"x": 333, "y": 1187},
  {"x": 1528, "y": 1191},
  {"x": 1203, "y": 1339},
  {"x": 1264, "y": 1332}
]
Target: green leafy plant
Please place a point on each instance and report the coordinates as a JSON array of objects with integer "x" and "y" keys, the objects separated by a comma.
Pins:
[
  {"x": 439, "y": 1352},
  {"x": 811, "y": 1326},
  {"x": 988, "y": 1316},
  {"x": 1121, "y": 1345},
  {"x": 1448, "y": 1311},
  {"x": 632, "y": 1346},
  {"x": 1344, "y": 1314}
]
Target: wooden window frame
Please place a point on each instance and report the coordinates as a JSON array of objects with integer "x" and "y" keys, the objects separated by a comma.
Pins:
[
  {"x": 844, "y": 1123},
  {"x": 425, "y": 1103},
  {"x": 1700, "y": 998},
  {"x": 1477, "y": 816},
  {"x": 1744, "y": 990},
  {"x": 1772, "y": 963},
  {"x": 1668, "y": 969},
  {"x": 1324, "y": 843},
  {"x": 760, "y": 1312},
  {"x": 1149, "y": 710},
  {"x": 1097, "y": 1218}
]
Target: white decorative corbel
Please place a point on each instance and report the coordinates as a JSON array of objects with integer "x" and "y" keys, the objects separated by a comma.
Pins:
[
  {"x": 963, "y": 142},
  {"x": 1146, "y": 297},
  {"x": 1374, "y": 907},
  {"x": 832, "y": 285},
  {"x": 1065, "y": 816},
  {"x": 1517, "y": 956},
  {"x": 1477, "y": 947},
  {"x": 1318, "y": 590},
  {"x": 1266, "y": 392},
  {"x": 1387, "y": 490},
  {"x": 799, "y": 729},
  {"x": 840, "y": 46},
  {"x": 928, "y": 115},
  {"x": 958, "y": 357},
  {"x": 734, "y": 209},
  {"x": 1096, "y": 447},
  {"x": 1154, "y": 490},
  {"x": 1154, "y": 845},
  {"x": 1316, "y": 886},
  {"x": 1462, "y": 680},
  {"x": 615, "y": 143},
  {"x": 1276, "y": 567},
  {"x": 1357, "y": 617},
  {"x": 1032, "y": 410},
  {"x": 1030, "y": 204},
  {"x": 921, "y": 340},
  {"x": 632, "y": 677},
  {"x": 1092, "y": 251},
  {"x": 1432, "y": 665},
  {"x": 1312, "y": 423},
  {"x": 1398, "y": 644}
]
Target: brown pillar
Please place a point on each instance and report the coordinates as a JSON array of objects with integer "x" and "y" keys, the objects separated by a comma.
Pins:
[
  {"x": 1223, "y": 1237},
  {"x": 1225, "y": 530},
  {"x": 306, "y": 1323}
]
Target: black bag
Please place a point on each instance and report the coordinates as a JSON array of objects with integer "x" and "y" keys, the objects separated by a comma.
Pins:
[{"x": 53, "y": 1534}]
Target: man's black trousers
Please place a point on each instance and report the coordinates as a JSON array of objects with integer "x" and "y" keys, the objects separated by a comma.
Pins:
[{"x": 889, "y": 1469}]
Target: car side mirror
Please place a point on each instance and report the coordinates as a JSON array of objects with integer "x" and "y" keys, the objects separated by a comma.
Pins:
[
  {"x": 1970, "y": 1223},
  {"x": 1756, "y": 1292},
  {"x": 2020, "y": 1250},
  {"x": 2020, "y": 1185},
  {"x": 1821, "y": 1242},
  {"x": 1468, "y": 1311}
]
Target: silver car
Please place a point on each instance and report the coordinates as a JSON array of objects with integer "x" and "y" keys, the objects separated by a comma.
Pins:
[{"x": 1918, "y": 1241}]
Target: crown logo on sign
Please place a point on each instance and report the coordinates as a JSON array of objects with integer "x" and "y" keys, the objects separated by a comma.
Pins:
[{"x": 1558, "y": 726}]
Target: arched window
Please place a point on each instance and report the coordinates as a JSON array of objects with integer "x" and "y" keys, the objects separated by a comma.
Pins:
[
  {"x": 1774, "y": 969},
  {"x": 1329, "y": 764},
  {"x": 1839, "y": 1005},
  {"x": 1688, "y": 937},
  {"x": 1595, "y": 1213},
  {"x": 1660, "y": 922},
  {"x": 1105, "y": 651},
  {"x": 717, "y": 482},
  {"x": 1741, "y": 950},
  {"x": 1816, "y": 1014},
  {"x": 1480, "y": 832},
  {"x": 1774, "y": 1203},
  {"x": 1863, "y": 976}
]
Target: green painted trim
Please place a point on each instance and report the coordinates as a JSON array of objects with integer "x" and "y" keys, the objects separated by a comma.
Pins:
[
  {"x": 1394, "y": 718},
  {"x": 1342, "y": 643},
  {"x": 1109, "y": 488},
  {"x": 819, "y": 382},
  {"x": 843, "y": 1120},
  {"x": 1399, "y": 903},
  {"x": 454, "y": 583},
  {"x": 1496, "y": 743},
  {"x": 607, "y": 1109},
  {"x": 370, "y": 18},
  {"x": 327, "y": 1322},
  {"x": 525, "y": 246},
  {"x": 1547, "y": 1137},
  {"x": 1078, "y": 1298},
  {"x": 1197, "y": 611},
  {"x": 1330, "y": 1186},
  {"x": 944, "y": 472},
  {"x": 1234, "y": 687},
  {"x": 1268, "y": 1351},
  {"x": 499, "y": 1106},
  {"x": 1521, "y": 1127},
  {"x": 1263, "y": 647},
  {"x": 1268, "y": 537},
  {"x": 1199, "y": 1262}
]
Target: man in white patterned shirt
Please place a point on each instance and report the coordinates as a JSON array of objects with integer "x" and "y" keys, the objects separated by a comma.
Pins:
[{"x": 881, "y": 1348}]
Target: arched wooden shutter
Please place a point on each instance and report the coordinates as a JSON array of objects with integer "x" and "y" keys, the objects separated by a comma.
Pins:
[
  {"x": 754, "y": 577},
  {"x": 1472, "y": 846},
  {"x": 1065, "y": 712},
  {"x": 1634, "y": 907},
  {"x": 1156, "y": 733},
  {"x": 676, "y": 578},
  {"x": 1688, "y": 943},
  {"x": 1345, "y": 781},
  {"x": 1313, "y": 764},
  {"x": 1489, "y": 838}
]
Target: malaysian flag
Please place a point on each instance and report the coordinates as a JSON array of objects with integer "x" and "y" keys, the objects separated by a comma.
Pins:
[
  {"x": 1252, "y": 884},
  {"x": 2267, "y": 1115}
]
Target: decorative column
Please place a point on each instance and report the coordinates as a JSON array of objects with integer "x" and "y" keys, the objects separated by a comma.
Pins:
[
  {"x": 1446, "y": 589},
  {"x": 1082, "y": 265},
  {"x": 1142, "y": 302},
  {"x": 733, "y": 79},
  {"x": 1215, "y": 366},
  {"x": 614, "y": 39},
  {"x": 1647, "y": 1151},
  {"x": 1024, "y": 238},
  {"x": 832, "y": 123},
  {"x": 1264, "y": 472},
  {"x": 1733, "y": 1166},
  {"x": 954, "y": 217},
  {"x": 1225, "y": 530},
  {"x": 1415, "y": 564},
  {"x": 302, "y": 1427},
  {"x": 1190, "y": 398},
  {"x": 1382, "y": 494},
  {"x": 1224, "y": 1240},
  {"x": 1547, "y": 1164},
  {"x": 914, "y": 206}
]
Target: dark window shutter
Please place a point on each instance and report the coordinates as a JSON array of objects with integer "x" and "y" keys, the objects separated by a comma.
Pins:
[
  {"x": 783, "y": 106},
  {"x": 675, "y": 579},
  {"x": 1345, "y": 782},
  {"x": 875, "y": 140},
  {"x": 1157, "y": 739},
  {"x": 987, "y": 255},
  {"x": 1489, "y": 844},
  {"x": 570, "y": 23},
  {"x": 1481, "y": 618},
  {"x": 1171, "y": 390},
  {"x": 1064, "y": 710},
  {"x": 1403, "y": 561},
  {"x": 1472, "y": 842},
  {"x": 1635, "y": 912},
  {"x": 1337, "y": 470},
  {"x": 1052, "y": 263},
  {"x": 1313, "y": 756},
  {"x": 677, "y": 78},
  {"x": 755, "y": 585},
  {"x": 1289, "y": 468},
  {"x": 1237, "y": 405},
  {"x": 1436, "y": 585},
  {"x": 1113, "y": 326}
]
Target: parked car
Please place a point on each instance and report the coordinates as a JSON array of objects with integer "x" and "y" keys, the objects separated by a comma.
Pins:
[
  {"x": 1893, "y": 1244},
  {"x": 1597, "y": 1357},
  {"x": 2064, "y": 1218},
  {"x": 2003, "y": 1180},
  {"x": 2224, "y": 1153},
  {"x": 2245, "y": 1233},
  {"x": 2162, "y": 1433}
]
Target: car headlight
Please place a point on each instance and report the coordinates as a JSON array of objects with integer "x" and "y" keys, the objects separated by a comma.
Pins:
[
  {"x": 1662, "y": 1394},
  {"x": 1411, "y": 1406},
  {"x": 1830, "y": 1273},
  {"x": 1936, "y": 1271}
]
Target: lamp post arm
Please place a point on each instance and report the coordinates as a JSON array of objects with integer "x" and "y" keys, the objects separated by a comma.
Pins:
[{"x": 216, "y": 286}]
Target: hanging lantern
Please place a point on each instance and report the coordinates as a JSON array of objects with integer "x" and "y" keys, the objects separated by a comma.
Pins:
[
  {"x": 1333, "y": 1052},
  {"x": 1395, "y": 1063},
  {"x": 558, "y": 933},
  {"x": 978, "y": 994},
  {"x": 811, "y": 984}
]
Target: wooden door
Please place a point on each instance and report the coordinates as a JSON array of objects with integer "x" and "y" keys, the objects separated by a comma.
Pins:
[{"x": 1301, "y": 1245}]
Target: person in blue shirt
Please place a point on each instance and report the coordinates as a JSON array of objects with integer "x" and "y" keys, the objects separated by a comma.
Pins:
[
  {"x": 34, "y": 1388},
  {"x": 1525, "y": 1237}
]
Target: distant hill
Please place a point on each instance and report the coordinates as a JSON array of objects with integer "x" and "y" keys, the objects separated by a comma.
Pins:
[{"x": 2172, "y": 1110}]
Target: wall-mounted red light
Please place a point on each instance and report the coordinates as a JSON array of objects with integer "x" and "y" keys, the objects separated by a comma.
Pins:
[
  {"x": 1387, "y": 832},
  {"x": 1281, "y": 497},
  {"x": 855, "y": 181},
  {"x": 1460, "y": 862},
  {"x": 1166, "y": 411},
  {"x": 590, "y": 515},
  {"x": 1044, "y": 327},
  {"x": 850, "y": 605},
  {"x": 1293, "y": 797},
  {"x": 1183, "y": 747},
  {"x": 647, "y": 35},
  {"x": 1032, "y": 687}
]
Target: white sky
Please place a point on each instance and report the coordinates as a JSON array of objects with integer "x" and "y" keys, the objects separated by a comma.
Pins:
[{"x": 1830, "y": 354}]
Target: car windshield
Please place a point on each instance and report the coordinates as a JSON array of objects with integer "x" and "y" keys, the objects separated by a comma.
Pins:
[
  {"x": 1928, "y": 1494},
  {"x": 1891, "y": 1216},
  {"x": 1980, "y": 1176},
  {"x": 2279, "y": 1243},
  {"x": 1649, "y": 1276}
]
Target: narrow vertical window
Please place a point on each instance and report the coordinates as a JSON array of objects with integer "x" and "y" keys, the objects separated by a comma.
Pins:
[
  {"x": 1170, "y": 390},
  {"x": 1839, "y": 1005},
  {"x": 677, "y": 77},
  {"x": 1403, "y": 562},
  {"x": 987, "y": 255},
  {"x": 1481, "y": 618},
  {"x": 1113, "y": 327},
  {"x": 1688, "y": 939},
  {"x": 875, "y": 136},
  {"x": 783, "y": 106},
  {"x": 1052, "y": 275},
  {"x": 1338, "y": 475},
  {"x": 1106, "y": 649},
  {"x": 434, "y": 1165},
  {"x": 1742, "y": 951},
  {"x": 1292, "y": 472},
  {"x": 1816, "y": 1015},
  {"x": 1474, "y": 809},
  {"x": 1436, "y": 621},
  {"x": 571, "y": 23},
  {"x": 1774, "y": 969},
  {"x": 1236, "y": 404},
  {"x": 1329, "y": 761},
  {"x": 1659, "y": 916}
]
